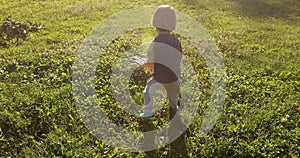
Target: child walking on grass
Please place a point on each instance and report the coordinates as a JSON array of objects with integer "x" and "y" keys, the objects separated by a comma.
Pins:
[{"x": 164, "y": 56}]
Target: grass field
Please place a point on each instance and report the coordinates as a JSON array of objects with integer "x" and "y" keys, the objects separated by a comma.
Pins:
[{"x": 259, "y": 40}]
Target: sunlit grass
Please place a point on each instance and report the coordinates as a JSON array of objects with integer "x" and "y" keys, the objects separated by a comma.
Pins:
[{"x": 259, "y": 41}]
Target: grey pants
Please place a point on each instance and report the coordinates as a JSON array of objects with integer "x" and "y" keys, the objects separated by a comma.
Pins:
[{"x": 172, "y": 90}]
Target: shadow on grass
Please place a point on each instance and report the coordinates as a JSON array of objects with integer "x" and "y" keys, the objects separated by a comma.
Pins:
[
  {"x": 268, "y": 8},
  {"x": 286, "y": 10},
  {"x": 178, "y": 148}
]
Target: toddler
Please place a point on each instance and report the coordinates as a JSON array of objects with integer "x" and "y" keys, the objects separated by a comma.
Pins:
[{"x": 164, "y": 56}]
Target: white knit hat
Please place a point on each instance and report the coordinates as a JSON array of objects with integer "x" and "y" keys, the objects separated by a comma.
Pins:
[{"x": 164, "y": 18}]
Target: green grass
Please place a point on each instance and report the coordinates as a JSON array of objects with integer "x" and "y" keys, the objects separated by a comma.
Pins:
[{"x": 259, "y": 41}]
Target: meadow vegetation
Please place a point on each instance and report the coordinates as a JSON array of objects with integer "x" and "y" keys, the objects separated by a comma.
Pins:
[{"x": 258, "y": 39}]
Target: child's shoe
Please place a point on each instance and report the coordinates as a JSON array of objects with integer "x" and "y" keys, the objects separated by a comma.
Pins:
[{"x": 145, "y": 117}]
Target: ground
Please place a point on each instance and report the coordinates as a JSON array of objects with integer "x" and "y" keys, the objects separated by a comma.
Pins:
[{"x": 258, "y": 40}]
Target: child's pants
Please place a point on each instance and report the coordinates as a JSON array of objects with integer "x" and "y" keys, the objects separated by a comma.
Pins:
[{"x": 172, "y": 90}]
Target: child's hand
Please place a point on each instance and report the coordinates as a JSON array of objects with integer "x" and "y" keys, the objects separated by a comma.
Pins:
[{"x": 149, "y": 68}]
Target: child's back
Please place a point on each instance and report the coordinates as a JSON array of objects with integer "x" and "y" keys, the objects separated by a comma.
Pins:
[{"x": 166, "y": 49}]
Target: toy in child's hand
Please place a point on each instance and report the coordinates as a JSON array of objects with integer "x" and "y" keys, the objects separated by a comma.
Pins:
[{"x": 149, "y": 67}]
